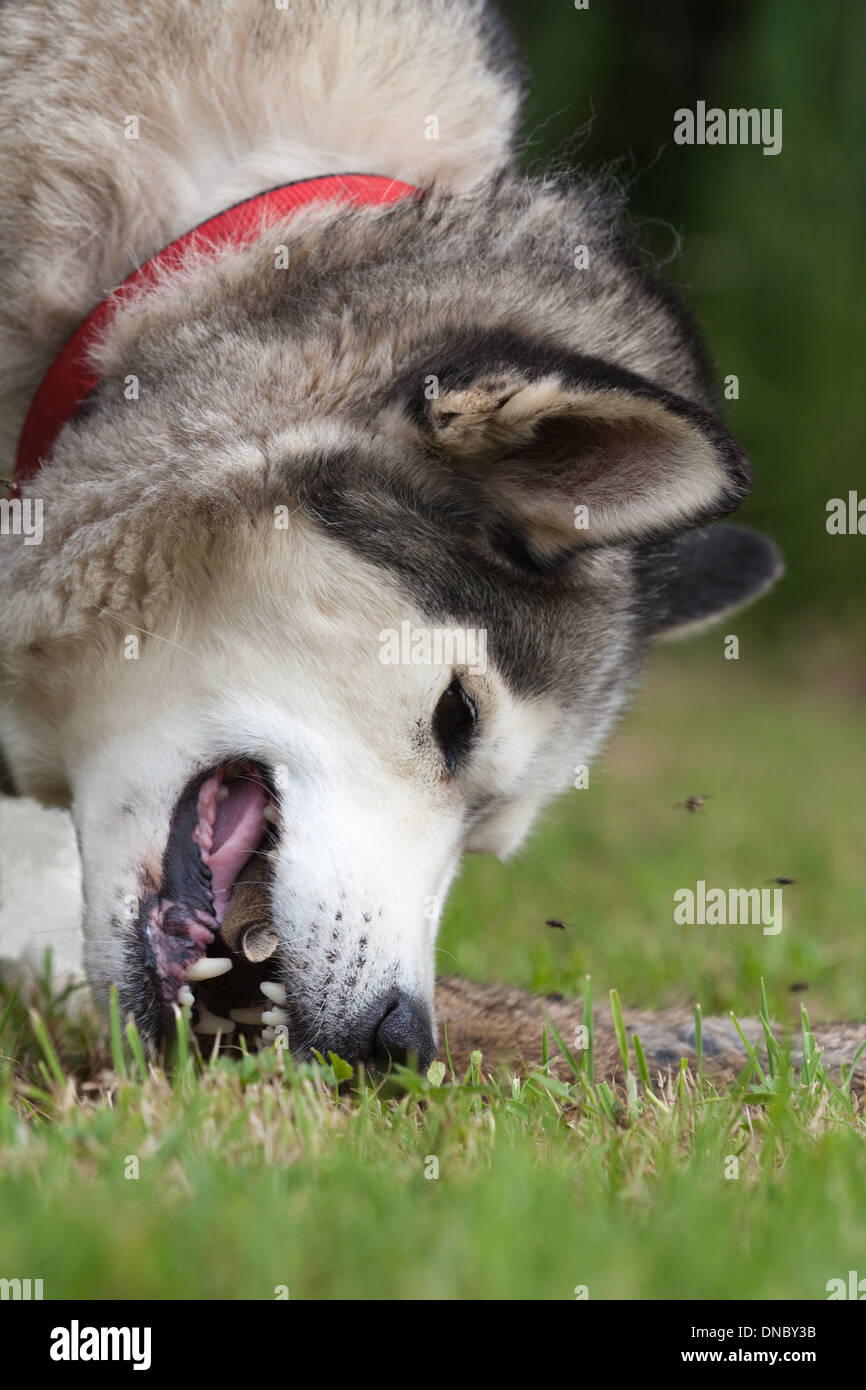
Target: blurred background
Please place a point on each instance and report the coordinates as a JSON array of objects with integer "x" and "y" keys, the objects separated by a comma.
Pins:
[
  {"x": 245, "y": 1189},
  {"x": 772, "y": 249},
  {"x": 769, "y": 251}
]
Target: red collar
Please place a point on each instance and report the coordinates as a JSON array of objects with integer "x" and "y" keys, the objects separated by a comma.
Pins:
[{"x": 70, "y": 378}]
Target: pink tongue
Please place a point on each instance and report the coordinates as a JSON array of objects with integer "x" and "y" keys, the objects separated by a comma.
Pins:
[{"x": 238, "y": 829}]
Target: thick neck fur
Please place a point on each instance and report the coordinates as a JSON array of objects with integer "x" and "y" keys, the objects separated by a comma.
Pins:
[{"x": 124, "y": 126}]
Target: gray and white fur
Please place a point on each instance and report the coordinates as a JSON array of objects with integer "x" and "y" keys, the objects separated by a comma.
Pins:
[{"x": 396, "y": 427}]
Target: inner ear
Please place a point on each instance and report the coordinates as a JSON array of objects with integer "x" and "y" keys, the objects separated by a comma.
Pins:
[
  {"x": 573, "y": 451},
  {"x": 604, "y": 470}
]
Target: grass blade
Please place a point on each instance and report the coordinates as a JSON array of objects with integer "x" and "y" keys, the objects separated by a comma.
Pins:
[
  {"x": 133, "y": 1037},
  {"x": 566, "y": 1052},
  {"x": 619, "y": 1028},
  {"x": 118, "y": 1061},
  {"x": 640, "y": 1058},
  {"x": 47, "y": 1047},
  {"x": 588, "y": 1058},
  {"x": 750, "y": 1051}
]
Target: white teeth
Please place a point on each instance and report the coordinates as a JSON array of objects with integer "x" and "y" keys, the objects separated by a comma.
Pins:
[
  {"x": 271, "y": 990},
  {"x": 212, "y": 1023},
  {"x": 222, "y": 793},
  {"x": 275, "y": 1016},
  {"x": 270, "y": 813},
  {"x": 268, "y": 1036},
  {"x": 253, "y": 1016},
  {"x": 185, "y": 995},
  {"x": 208, "y": 968}
]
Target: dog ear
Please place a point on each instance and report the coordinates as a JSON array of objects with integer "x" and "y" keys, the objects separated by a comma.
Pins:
[
  {"x": 702, "y": 576},
  {"x": 571, "y": 451}
]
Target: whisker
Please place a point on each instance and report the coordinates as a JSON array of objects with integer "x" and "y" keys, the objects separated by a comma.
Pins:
[{"x": 118, "y": 618}]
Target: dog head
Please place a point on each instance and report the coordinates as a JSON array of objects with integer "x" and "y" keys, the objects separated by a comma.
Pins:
[{"x": 352, "y": 628}]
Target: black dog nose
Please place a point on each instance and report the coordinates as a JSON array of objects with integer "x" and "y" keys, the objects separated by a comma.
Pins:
[{"x": 404, "y": 1030}]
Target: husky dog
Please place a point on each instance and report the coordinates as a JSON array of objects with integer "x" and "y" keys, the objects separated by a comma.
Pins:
[{"x": 420, "y": 416}]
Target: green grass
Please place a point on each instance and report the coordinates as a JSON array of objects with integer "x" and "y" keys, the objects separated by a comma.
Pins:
[
  {"x": 770, "y": 251},
  {"x": 254, "y": 1175},
  {"x": 777, "y": 742}
]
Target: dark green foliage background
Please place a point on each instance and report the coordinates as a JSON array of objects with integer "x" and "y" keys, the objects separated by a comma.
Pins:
[{"x": 773, "y": 254}]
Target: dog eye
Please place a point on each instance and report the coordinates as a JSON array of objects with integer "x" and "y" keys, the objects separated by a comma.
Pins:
[{"x": 454, "y": 723}]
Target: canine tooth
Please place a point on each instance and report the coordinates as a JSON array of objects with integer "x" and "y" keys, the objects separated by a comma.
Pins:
[
  {"x": 275, "y": 1016},
  {"x": 185, "y": 995},
  {"x": 270, "y": 813},
  {"x": 253, "y": 1016},
  {"x": 258, "y": 943},
  {"x": 222, "y": 793},
  {"x": 271, "y": 990},
  {"x": 212, "y": 1023},
  {"x": 268, "y": 1036},
  {"x": 208, "y": 968}
]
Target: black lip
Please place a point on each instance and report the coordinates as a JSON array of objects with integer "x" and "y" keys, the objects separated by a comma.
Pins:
[
  {"x": 160, "y": 947},
  {"x": 186, "y": 878}
]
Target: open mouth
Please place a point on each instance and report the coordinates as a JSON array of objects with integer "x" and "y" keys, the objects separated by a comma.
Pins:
[{"x": 206, "y": 939}]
